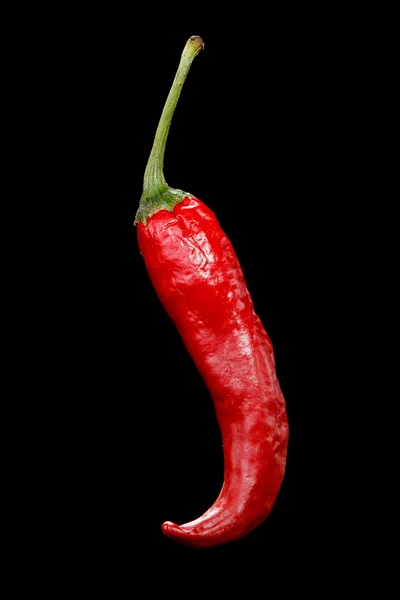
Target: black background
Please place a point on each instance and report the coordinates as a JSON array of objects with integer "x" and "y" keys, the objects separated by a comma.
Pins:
[{"x": 266, "y": 133}]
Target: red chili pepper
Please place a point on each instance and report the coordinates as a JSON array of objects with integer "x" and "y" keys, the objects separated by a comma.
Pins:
[{"x": 198, "y": 278}]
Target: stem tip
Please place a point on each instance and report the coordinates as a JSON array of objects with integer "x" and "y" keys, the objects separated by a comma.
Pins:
[{"x": 197, "y": 40}]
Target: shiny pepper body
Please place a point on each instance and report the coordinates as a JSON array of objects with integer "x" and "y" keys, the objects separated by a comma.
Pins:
[{"x": 198, "y": 278}]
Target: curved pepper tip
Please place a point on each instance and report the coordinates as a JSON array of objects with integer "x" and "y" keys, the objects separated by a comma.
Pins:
[
  {"x": 186, "y": 536},
  {"x": 173, "y": 531},
  {"x": 170, "y": 529}
]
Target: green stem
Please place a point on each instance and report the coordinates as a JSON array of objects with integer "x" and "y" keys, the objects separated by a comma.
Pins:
[{"x": 156, "y": 193}]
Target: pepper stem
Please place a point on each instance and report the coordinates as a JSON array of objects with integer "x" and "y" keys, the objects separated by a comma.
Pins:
[{"x": 156, "y": 193}]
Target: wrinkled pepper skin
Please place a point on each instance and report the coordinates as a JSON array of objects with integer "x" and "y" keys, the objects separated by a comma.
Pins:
[{"x": 198, "y": 278}]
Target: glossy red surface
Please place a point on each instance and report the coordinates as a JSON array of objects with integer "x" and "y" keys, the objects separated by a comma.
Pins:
[{"x": 198, "y": 278}]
